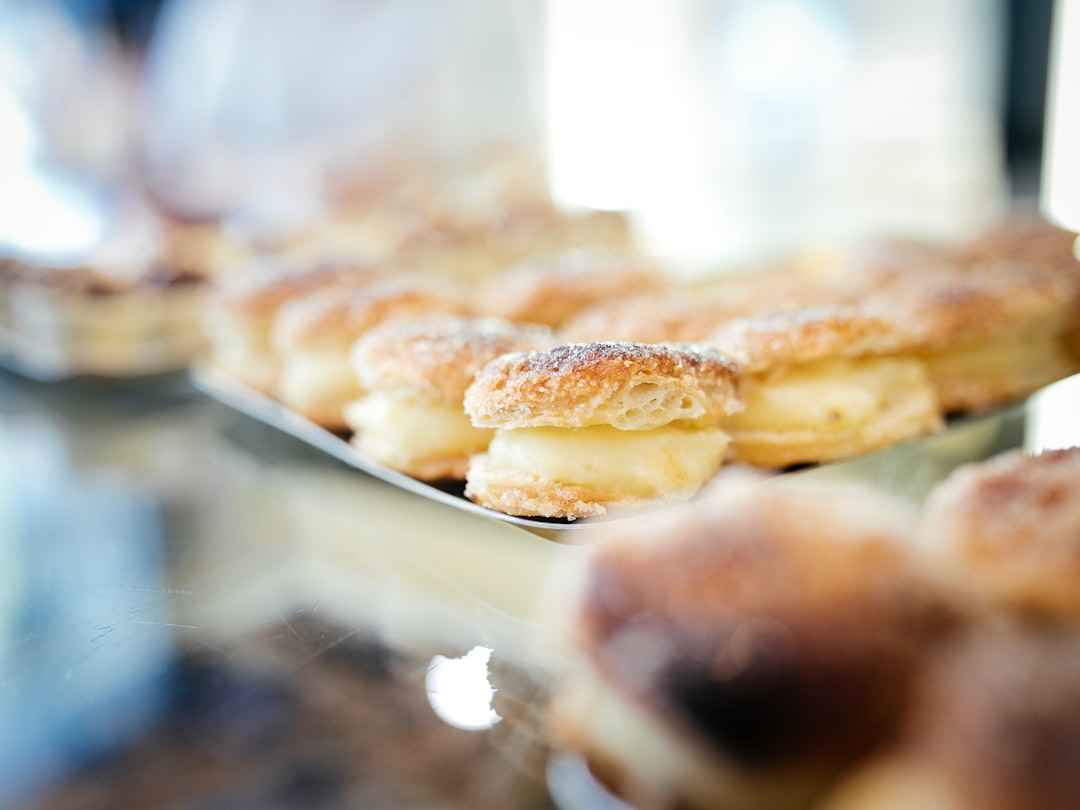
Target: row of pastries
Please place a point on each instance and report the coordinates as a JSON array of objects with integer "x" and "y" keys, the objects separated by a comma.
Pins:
[
  {"x": 587, "y": 380},
  {"x": 777, "y": 647}
]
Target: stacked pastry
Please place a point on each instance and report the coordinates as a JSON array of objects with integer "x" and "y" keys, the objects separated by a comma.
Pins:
[
  {"x": 778, "y": 647},
  {"x": 823, "y": 384},
  {"x": 585, "y": 428}
]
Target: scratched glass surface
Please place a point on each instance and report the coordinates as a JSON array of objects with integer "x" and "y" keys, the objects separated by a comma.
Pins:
[{"x": 198, "y": 612}]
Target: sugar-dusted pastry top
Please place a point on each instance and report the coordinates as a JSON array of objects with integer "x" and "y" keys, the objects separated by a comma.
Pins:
[
  {"x": 342, "y": 315},
  {"x": 676, "y": 315},
  {"x": 438, "y": 355},
  {"x": 550, "y": 289},
  {"x": 633, "y": 386},
  {"x": 805, "y": 335}
]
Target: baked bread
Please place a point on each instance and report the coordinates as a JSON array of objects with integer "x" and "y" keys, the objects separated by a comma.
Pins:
[
  {"x": 415, "y": 373},
  {"x": 995, "y": 727},
  {"x": 823, "y": 384},
  {"x": 313, "y": 334},
  {"x": 987, "y": 334},
  {"x": 742, "y": 651},
  {"x": 584, "y": 428},
  {"x": 242, "y": 310},
  {"x": 1011, "y": 526},
  {"x": 551, "y": 289}
]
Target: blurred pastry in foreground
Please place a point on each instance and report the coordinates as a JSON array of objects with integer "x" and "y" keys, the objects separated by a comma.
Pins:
[
  {"x": 242, "y": 311},
  {"x": 551, "y": 289},
  {"x": 997, "y": 727},
  {"x": 415, "y": 373},
  {"x": 313, "y": 335},
  {"x": 823, "y": 384},
  {"x": 585, "y": 428},
  {"x": 1011, "y": 525},
  {"x": 987, "y": 335},
  {"x": 741, "y": 652}
]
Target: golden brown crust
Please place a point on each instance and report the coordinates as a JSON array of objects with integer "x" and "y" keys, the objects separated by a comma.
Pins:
[
  {"x": 438, "y": 356},
  {"x": 629, "y": 385},
  {"x": 340, "y": 316},
  {"x": 803, "y": 336},
  {"x": 1013, "y": 526},
  {"x": 783, "y": 628},
  {"x": 945, "y": 309},
  {"x": 549, "y": 290},
  {"x": 674, "y": 316},
  {"x": 517, "y": 492}
]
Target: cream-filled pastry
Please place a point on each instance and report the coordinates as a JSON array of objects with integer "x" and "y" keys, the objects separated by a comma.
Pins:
[
  {"x": 584, "y": 428},
  {"x": 987, "y": 334},
  {"x": 243, "y": 309},
  {"x": 550, "y": 290},
  {"x": 743, "y": 651},
  {"x": 823, "y": 384},
  {"x": 313, "y": 336},
  {"x": 414, "y": 374},
  {"x": 1011, "y": 527}
]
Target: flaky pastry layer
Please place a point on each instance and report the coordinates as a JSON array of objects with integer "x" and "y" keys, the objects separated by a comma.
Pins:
[{"x": 633, "y": 386}]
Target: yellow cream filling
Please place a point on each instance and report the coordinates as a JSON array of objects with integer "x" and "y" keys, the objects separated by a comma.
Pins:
[
  {"x": 407, "y": 426},
  {"x": 629, "y": 463},
  {"x": 836, "y": 395},
  {"x": 312, "y": 378}
]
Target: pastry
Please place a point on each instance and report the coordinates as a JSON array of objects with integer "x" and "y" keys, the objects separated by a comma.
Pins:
[
  {"x": 243, "y": 308},
  {"x": 312, "y": 336},
  {"x": 415, "y": 373},
  {"x": 551, "y": 289},
  {"x": 742, "y": 651},
  {"x": 1011, "y": 526},
  {"x": 823, "y": 384},
  {"x": 1028, "y": 239},
  {"x": 584, "y": 428},
  {"x": 987, "y": 334},
  {"x": 995, "y": 728}
]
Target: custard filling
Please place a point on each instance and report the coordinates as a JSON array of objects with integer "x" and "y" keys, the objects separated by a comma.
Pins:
[
  {"x": 652, "y": 463},
  {"x": 831, "y": 396},
  {"x": 398, "y": 425}
]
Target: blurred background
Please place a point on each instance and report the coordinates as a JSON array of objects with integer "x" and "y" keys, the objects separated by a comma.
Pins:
[{"x": 729, "y": 130}]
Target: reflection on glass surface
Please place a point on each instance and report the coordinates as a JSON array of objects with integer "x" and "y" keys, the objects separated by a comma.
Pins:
[{"x": 459, "y": 690}]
